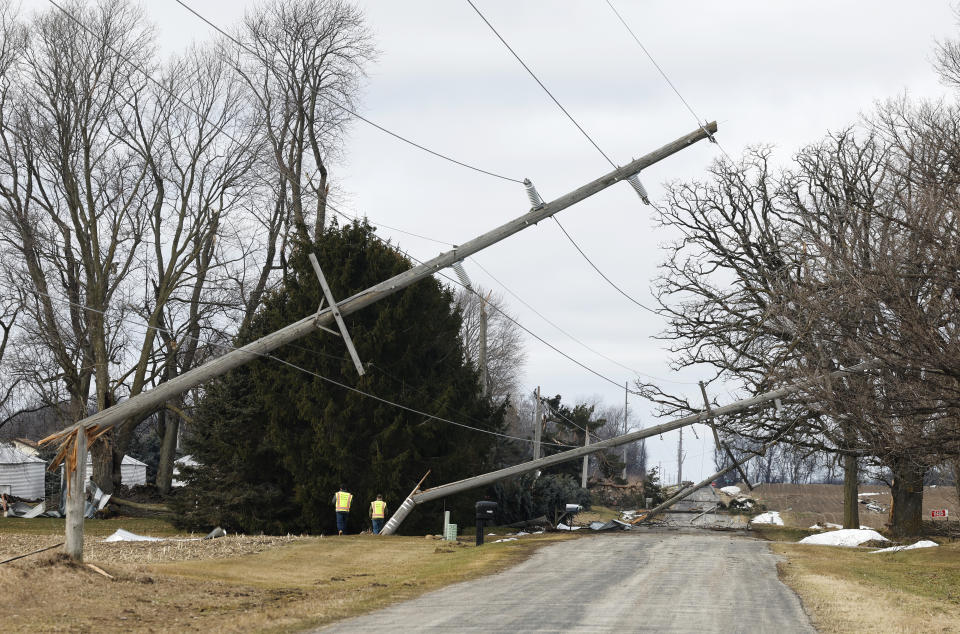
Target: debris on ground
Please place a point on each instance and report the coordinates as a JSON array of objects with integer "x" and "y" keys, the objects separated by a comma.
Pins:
[
  {"x": 122, "y": 535},
  {"x": 216, "y": 533},
  {"x": 731, "y": 490},
  {"x": 823, "y": 526},
  {"x": 924, "y": 543},
  {"x": 769, "y": 517},
  {"x": 846, "y": 537},
  {"x": 563, "y": 527},
  {"x": 742, "y": 503}
]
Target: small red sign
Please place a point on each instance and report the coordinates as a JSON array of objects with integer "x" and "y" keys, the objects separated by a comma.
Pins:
[{"x": 939, "y": 513}]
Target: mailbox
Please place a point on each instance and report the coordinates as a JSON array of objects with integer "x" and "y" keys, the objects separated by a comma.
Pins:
[{"x": 486, "y": 510}]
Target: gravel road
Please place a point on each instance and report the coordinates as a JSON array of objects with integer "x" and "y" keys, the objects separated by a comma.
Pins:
[{"x": 668, "y": 581}]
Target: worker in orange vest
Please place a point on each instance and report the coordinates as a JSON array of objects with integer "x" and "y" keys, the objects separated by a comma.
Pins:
[
  {"x": 378, "y": 511},
  {"x": 341, "y": 503}
]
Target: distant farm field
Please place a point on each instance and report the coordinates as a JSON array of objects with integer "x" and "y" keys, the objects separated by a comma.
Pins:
[{"x": 806, "y": 504}]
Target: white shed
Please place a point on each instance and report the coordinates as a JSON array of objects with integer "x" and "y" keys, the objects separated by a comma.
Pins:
[
  {"x": 132, "y": 471},
  {"x": 21, "y": 474},
  {"x": 185, "y": 461}
]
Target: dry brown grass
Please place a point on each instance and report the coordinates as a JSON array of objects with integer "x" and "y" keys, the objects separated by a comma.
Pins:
[
  {"x": 291, "y": 584},
  {"x": 852, "y": 590}
]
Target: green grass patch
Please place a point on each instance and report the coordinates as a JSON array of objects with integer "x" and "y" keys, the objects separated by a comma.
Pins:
[
  {"x": 94, "y": 528},
  {"x": 782, "y": 533}
]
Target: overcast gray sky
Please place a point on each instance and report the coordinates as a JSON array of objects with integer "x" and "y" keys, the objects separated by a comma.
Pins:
[{"x": 769, "y": 72}]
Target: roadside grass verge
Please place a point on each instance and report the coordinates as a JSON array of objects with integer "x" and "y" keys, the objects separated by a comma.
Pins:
[
  {"x": 781, "y": 533},
  {"x": 93, "y": 528},
  {"x": 854, "y": 590},
  {"x": 305, "y": 583}
]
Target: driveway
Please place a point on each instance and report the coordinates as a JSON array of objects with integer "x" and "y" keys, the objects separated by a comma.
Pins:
[{"x": 665, "y": 581}]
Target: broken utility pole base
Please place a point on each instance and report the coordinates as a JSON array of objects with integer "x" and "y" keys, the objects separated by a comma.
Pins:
[{"x": 151, "y": 400}]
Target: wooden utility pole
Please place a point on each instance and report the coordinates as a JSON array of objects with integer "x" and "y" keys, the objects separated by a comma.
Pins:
[
  {"x": 586, "y": 457},
  {"x": 537, "y": 424},
  {"x": 680, "y": 459},
  {"x": 150, "y": 400},
  {"x": 626, "y": 395},
  {"x": 76, "y": 500},
  {"x": 484, "y": 376}
]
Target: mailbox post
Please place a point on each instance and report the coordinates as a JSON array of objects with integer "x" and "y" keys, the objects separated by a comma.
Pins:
[{"x": 486, "y": 509}]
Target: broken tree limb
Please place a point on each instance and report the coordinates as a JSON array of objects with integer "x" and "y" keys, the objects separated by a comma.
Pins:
[{"x": 138, "y": 509}]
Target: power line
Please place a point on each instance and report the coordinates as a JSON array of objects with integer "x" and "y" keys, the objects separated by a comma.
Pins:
[
  {"x": 667, "y": 79},
  {"x": 537, "y": 79},
  {"x": 299, "y": 368},
  {"x": 602, "y": 274},
  {"x": 593, "y": 350},
  {"x": 351, "y": 112},
  {"x": 527, "y": 330},
  {"x": 504, "y": 314}
]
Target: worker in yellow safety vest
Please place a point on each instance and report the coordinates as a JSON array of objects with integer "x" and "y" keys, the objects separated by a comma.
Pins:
[
  {"x": 378, "y": 511},
  {"x": 341, "y": 503}
]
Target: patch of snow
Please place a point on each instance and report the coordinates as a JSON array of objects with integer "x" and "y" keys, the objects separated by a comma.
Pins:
[
  {"x": 731, "y": 490},
  {"x": 847, "y": 537},
  {"x": 126, "y": 536},
  {"x": 521, "y": 534},
  {"x": 819, "y": 526},
  {"x": 925, "y": 543},
  {"x": 491, "y": 534},
  {"x": 506, "y": 539},
  {"x": 770, "y": 517},
  {"x": 859, "y": 494},
  {"x": 563, "y": 527},
  {"x": 538, "y": 532}
]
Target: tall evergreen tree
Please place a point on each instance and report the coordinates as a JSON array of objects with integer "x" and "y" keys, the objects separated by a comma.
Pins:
[{"x": 275, "y": 442}]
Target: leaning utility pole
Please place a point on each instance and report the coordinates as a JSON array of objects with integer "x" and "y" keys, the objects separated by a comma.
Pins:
[
  {"x": 150, "y": 400},
  {"x": 486, "y": 479}
]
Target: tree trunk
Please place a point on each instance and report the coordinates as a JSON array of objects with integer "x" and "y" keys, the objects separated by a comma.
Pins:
[
  {"x": 168, "y": 449},
  {"x": 851, "y": 481},
  {"x": 906, "y": 511},
  {"x": 120, "y": 439},
  {"x": 955, "y": 465},
  {"x": 102, "y": 455}
]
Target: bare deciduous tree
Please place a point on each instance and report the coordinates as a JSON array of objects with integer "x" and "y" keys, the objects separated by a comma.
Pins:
[{"x": 505, "y": 353}]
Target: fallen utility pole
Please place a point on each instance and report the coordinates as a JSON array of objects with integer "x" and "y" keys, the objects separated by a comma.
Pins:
[
  {"x": 486, "y": 479},
  {"x": 686, "y": 492},
  {"x": 150, "y": 400}
]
